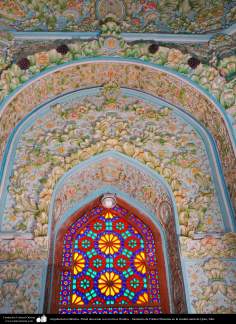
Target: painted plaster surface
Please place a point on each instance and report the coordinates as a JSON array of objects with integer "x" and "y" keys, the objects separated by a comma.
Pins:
[
  {"x": 97, "y": 124},
  {"x": 133, "y": 76},
  {"x": 110, "y": 171},
  {"x": 68, "y": 133},
  {"x": 217, "y": 77},
  {"x": 150, "y": 16},
  {"x": 77, "y": 128},
  {"x": 209, "y": 246},
  {"x": 20, "y": 286},
  {"x": 212, "y": 286}
]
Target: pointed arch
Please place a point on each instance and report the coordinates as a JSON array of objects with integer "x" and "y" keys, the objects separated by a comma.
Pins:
[
  {"x": 161, "y": 213},
  {"x": 131, "y": 73},
  {"x": 135, "y": 289},
  {"x": 169, "y": 232},
  {"x": 225, "y": 204}
]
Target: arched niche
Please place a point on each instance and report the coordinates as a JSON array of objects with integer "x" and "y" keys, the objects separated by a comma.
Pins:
[
  {"x": 157, "y": 204},
  {"x": 134, "y": 74},
  {"x": 142, "y": 154},
  {"x": 158, "y": 265},
  {"x": 172, "y": 249}
]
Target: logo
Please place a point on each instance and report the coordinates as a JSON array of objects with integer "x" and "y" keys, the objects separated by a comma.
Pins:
[{"x": 42, "y": 319}]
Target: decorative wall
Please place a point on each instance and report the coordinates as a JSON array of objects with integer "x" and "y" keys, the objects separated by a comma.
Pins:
[
  {"x": 212, "y": 285},
  {"x": 149, "y": 16},
  {"x": 110, "y": 114},
  {"x": 21, "y": 286},
  {"x": 130, "y": 75},
  {"x": 131, "y": 128},
  {"x": 100, "y": 120}
]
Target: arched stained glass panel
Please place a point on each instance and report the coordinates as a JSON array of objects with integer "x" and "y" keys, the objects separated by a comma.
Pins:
[{"x": 109, "y": 265}]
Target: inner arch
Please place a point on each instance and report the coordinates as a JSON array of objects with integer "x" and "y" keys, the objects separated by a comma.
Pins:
[
  {"x": 128, "y": 251},
  {"x": 212, "y": 154}
]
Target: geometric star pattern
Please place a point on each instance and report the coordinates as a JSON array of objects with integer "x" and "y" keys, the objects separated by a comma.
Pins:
[{"x": 109, "y": 265}]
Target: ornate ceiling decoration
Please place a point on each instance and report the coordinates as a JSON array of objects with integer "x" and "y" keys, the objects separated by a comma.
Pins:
[
  {"x": 143, "y": 137},
  {"x": 168, "y": 16}
]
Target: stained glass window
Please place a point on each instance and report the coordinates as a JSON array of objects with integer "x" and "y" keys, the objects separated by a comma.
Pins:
[{"x": 109, "y": 265}]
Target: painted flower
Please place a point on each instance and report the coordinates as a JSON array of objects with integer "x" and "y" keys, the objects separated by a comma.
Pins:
[
  {"x": 79, "y": 263},
  {"x": 136, "y": 21},
  {"x": 150, "y": 6},
  {"x": 140, "y": 111},
  {"x": 19, "y": 243},
  {"x": 50, "y": 125},
  {"x": 111, "y": 43},
  {"x": 61, "y": 149},
  {"x": 209, "y": 241},
  {"x": 12, "y": 9},
  {"x": 109, "y": 244},
  {"x": 73, "y": 115},
  {"x": 110, "y": 106},
  {"x": 143, "y": 299},
  {"x": 139, "y": 262},
  {"x": 70, "y": 192},
  {"x": 42, "y": 58},
  {"x": 77, "y": 300},
  {"x": 175, "y": 56},
  {"x": 74, "y": 4},
  {"x": 109, "y": 284},
  {"x": 12, "y": 272},
  {"x": 82, "y": 109}
]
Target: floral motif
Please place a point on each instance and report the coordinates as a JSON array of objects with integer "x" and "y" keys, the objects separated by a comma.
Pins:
[
  {"x": 212, "y": 282},
  {"x": 120, "y": 226},
  {"x": 109, "y": 244},
  {"x": 140, "y": 263},
  {"x": 180, "y": 97},
  {"x": 121, "y": 262},
  {"x": 184, "y": 164},
  {"x": 135, "y": 283},
  {"x": 190, "y": 219},
  {"x": 20, "y": 287},
  {"x": 132, "y": 244},
  {"x": 224, "y": 246},
  {"x": 99, "y": 226},
  {"x": 141, "y": 16},
  {"x": 79, "y": 263},
  {"x": 143, "y": 299},
  {"x": 97, "y": 263},
  {"x": 110, "y": 284},
  {"x": 107, "y": 279},
  {"x": 86, "y": 244},
  {"x": 77, "y": 300},
  {"x": 84, "y": 283}
]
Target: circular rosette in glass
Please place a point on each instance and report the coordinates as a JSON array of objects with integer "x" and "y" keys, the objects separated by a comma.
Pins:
[
  {"x": 110, "y": 284},
  {"x": 109, "y": 244}
]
